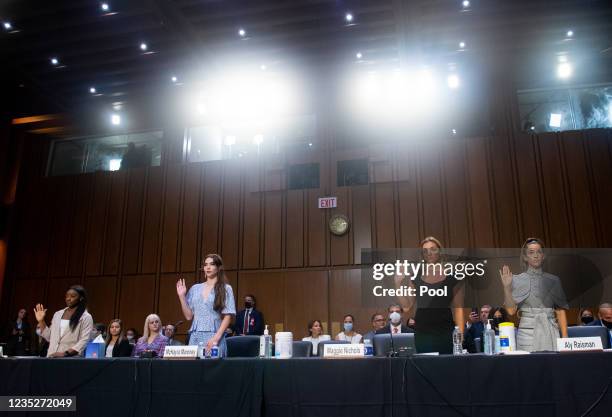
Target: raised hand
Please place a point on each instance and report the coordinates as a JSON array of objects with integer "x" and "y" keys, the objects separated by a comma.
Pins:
[
  {"x": 181, "y": 288},
  {"x": 506, "y": 276},
  {"x": 39, "y": 312}
]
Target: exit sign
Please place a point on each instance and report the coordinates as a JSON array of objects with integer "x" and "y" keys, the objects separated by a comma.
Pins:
[{"x": 328, "y": 202}]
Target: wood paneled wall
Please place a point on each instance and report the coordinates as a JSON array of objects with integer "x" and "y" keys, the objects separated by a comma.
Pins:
[{"x": 125, "y": 235}]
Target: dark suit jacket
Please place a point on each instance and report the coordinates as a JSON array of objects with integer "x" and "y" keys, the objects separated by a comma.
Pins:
[
  {"x": 255, "y": 325},
  {"x": 122, "y": 349},
  {"x": 387, "y": 329}
]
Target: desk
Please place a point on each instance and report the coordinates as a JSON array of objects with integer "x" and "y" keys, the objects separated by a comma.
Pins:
[{"x": 536, "y": 385}]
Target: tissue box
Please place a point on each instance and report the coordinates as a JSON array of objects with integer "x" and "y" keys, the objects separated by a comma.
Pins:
[{"x": 95, "y": 350}]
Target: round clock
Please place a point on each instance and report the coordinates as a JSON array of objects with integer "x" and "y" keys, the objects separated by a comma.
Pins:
[{"x": 338, "y": 224}]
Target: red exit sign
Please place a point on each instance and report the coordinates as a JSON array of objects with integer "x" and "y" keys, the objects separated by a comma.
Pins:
[{"x": 328, "y": 202}]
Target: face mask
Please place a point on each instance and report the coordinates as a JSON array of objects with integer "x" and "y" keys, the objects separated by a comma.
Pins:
[
  {"x": 608, "y": 324},
  {"x": 395, "y": 318},
  {"x": 248, "y": 304},
  {"x": 130, "y": 337},
  {"x": 496, "y": 321},
  {"x": 348, "y": 327},
  {"x": 586, "y": 319}
]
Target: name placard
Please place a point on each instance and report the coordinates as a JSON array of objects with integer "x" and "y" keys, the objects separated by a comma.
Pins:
[
  {"x": 181, "y": 352},
  {"x": 353, "y": 350},
  {"x": 578, "y": 344}
]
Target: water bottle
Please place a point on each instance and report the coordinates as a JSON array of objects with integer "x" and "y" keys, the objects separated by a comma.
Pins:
[
  {"x": 265, "y": 344},
  {"x": 457, "y": 342},
  {"x": 201, "y": 350},
  {"x": 214, "y": 352},
  {"x": 489, "y": 339},
  {"x": 368, "y": 348}
]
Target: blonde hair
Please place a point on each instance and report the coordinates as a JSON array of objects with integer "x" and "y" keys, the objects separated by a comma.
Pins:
[
  {"x": 145, "y": 331},
  {"x": 433, "y": 240}
]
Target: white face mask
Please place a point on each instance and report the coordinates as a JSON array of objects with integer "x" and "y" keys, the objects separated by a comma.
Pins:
[
  {"x": 395, "y": 318},
  {"x": 130, "y": 337}
]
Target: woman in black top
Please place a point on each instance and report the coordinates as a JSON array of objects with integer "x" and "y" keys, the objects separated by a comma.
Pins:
[
  {"x": 19, "y": 335},
  {"x": 116, "y": 344},
  {"x": 435, "y": 314}
]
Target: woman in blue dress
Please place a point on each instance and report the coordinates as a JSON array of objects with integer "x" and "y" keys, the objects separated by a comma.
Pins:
[{"x": 209, "y": 304}]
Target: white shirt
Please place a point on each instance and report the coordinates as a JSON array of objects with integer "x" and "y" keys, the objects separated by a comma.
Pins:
[
  {"x": 398, "y": 327},
  {"x": 356, "y": 338},
  {"x": 315, "y": 341},
  {"x": 109, "y": 350},
  {"x": 64, "y": 326}
]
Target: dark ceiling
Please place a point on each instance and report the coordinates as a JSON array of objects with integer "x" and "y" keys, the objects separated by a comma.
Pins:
[{"x": 187, "y": 38}]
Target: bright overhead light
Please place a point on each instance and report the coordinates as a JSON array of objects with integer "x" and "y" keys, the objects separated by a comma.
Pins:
[
  {"x": 359, "y": 55},
  {"x": 115, "y": 119},
  {"x": 462, "y": 45},
  {"x": 348, "y": 17},
  {"x": 466, "y": 4},
  {"x": 258, "y": 139},
  {"x": 564, "y": 70},
  {"x": 105, "y": 7},
  {"x": 114, "y": 165},
  {"x": 144, "y": 46},
  {"x": 92, "y": 90},
  {"x": 263, "y": 67},
  {"x": 555, "y": 120},
  {"x": 562, "y": 58},
  {"x": 242, "y": 32},
  {"x": 453, "y": 81},
  {"x": 454, "y": 131},
  {"x": 8, "y": 26},
  {"x": 174, "y": 79},
  {"x": 54, "y": 61},
  {"x": 570, "y": 33},
  {"x": 230, "y": 140}
]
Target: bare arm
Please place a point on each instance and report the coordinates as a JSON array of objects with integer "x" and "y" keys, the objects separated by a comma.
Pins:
[
  {"x": 506, "y": 276},
  {"x": 407, "y": 303},
  {"x": 562, "y": 320},
  {"x": 181, "y": 290},
  {"x": 227, "y": 320}
]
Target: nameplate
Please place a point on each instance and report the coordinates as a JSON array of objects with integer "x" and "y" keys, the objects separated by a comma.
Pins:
[
  {"x": 578, "y": 344},
  {"x": 355, "y": 350},
  {"x": 181, "y": 352}
]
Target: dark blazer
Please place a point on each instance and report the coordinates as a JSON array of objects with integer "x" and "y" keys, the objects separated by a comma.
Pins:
[
  {"x": 387, "y": 329},
  {"x": 255, "y": 325},
  {"x": 122, "y": 349}
]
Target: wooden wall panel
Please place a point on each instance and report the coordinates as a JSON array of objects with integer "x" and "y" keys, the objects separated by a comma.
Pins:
[
  {"x": 252, "y": 230},
  {"x": 26, "y": 294},
  {"x": 530, "y": 197},
  {"x": 62, "y": 211},
  {"x": 169, "y": 306},
  {"x": 133, "y": 225},
  {"x": 79, "y": 224},
  {"x": 410, "y": 222},
  {"x": 559, "y": 234},
  {"x": 600, "y": 157},
  {"x": 152, "y": 220},
  {"x": 340, "y": 245},
  {"x": 273, "y": 230},
  {"x": 102, "y": 294},
  {"x": 294, "y": 232},
  {"x": 114, "y": 225},
  {"x": 316, "y": 229},
  {"x": 383, "y": 197},
  {"x": 97, "y": 224},
  {"x": 136, "y": 300},
  {"x": 230, "y": 230},
  {"x": 211, "y": 207},
  {"x": 39, "y": 255},
  {"x": 361, "y": 221},
  {"x": 268, "y": 288},
  {"x": 306, "y": 298},
  {"x": 456, "y": 194},
  {"x": 170, "y": 218},
  {"x": 483, "y": 224},
  {"x": 191, "y": 209},
  {"x": 432, "y": 204}
]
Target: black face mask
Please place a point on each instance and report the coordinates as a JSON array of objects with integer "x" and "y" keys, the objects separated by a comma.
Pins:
[
  {"x": 586, "y": 319},
  {"x": 248, "y": 304},
  {"x": 608, "y": 324}
]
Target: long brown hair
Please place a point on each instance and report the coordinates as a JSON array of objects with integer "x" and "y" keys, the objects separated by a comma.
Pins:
[
  {"x": 220, "y": 292},
  {"x": 121, "y": 336}
]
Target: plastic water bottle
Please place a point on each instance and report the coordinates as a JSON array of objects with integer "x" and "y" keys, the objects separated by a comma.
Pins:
[
  {"x": 201, "y": 350},
  {"x": 265, "y": 344},
  {"x": 457, "y": 342},
  {"x": 214, "y": 352},
  {"x": 368, "y": 349},
  {"x": 489, "y": 339}
]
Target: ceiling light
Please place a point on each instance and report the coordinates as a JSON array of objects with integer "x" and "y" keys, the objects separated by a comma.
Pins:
[
  {"x": 114, "y": 164},
  {"x": 8, "y": 26},
  {"x": 570, "y": 33},
  {"x": 462, "y": 45},
  {"x": 115, "y": 119},
  {"x": 263, "y": 67},
  {"x": 466, "y": 4},
  {"x": 453, "y": 81},
  {"x": 348, "y": 17},
  {"x": 564, "y": 70},
  {"x": 174, "y": 79},
  {"x": 454, "y": 131},
  {"x": 143, "y": 46},
  {"x": 54, "y": 61},
  {"x": 105, "y": 7},
  {"x": 92, "y": 90},
  {"x": 359, "y": 55},
  {"x": 562, "y": 58},
  {"x": 242, "y": 32},
  {"x": 555, "y": 120}
]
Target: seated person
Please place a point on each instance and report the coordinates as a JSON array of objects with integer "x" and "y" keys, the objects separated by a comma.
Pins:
[
  {"x": 349, "y": 335},
  {"x": 314, "y": 330},
  {"x": 378, "y": 322},
  {"x": 116, "y": 344},
  {"x": 395, "y": 322},
  {"x": 151, "y": 339},
  {"x": 169, "y": 332},
  {"x": 249, "y": 321}
]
